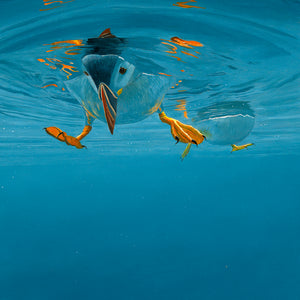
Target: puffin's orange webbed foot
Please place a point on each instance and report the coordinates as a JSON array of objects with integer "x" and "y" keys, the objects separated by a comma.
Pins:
[
  {"x": 63, "y": 137},
  {"x": 181, "y": 132}
]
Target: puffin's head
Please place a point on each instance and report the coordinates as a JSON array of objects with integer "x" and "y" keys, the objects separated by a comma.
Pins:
[{"x": 108, "y": 75}]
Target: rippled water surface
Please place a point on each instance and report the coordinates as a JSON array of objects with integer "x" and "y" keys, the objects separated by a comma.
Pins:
[
  {"x": 249, "y": 55},
  {"x": 125, "y": 218}
]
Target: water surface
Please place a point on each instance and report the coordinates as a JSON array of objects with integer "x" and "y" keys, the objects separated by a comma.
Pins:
[{"x": 126, "y": 219}]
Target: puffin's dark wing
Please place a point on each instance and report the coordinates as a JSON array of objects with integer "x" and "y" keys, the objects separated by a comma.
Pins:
[{"x": 106, "y": 43}]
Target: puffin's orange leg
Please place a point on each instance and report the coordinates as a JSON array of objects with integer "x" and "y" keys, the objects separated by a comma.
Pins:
[
  {"x": 69, "y": 140},
  {"x": 181, "y": 132}
]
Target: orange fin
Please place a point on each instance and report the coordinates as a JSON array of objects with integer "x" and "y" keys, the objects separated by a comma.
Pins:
[{"x": 106, "y": 34}]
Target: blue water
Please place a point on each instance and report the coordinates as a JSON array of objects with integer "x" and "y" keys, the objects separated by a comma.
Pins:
[{"x": 126, "y": 218}]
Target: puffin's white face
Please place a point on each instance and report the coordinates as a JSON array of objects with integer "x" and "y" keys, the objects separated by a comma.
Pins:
[
  {"x": 122, "y": 74},
  {"x": 108, "y": 75},
  {"x": 112, "y": 70}
]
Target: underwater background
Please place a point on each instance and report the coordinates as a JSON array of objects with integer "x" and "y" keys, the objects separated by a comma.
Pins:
[{"x": 126, "y": 218}]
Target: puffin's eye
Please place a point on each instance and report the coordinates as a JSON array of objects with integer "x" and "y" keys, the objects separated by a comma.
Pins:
[{"x": 122, "y": 70}]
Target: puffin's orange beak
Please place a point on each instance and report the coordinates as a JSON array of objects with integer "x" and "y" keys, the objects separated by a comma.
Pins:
[{"x": 109, "y": 101}]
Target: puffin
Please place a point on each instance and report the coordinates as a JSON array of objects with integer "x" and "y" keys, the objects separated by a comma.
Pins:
[{"x": 114, "y": 91}]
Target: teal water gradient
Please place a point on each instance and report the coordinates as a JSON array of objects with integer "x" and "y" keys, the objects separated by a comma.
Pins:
[
  {"x": 126, "y": 219},
  {"x": 130, "y": 228}
]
